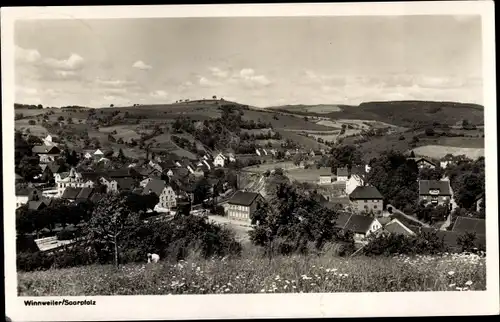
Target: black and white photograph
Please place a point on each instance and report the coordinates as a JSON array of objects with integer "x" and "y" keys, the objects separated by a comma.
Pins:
[{"x": 273, "y": 154}]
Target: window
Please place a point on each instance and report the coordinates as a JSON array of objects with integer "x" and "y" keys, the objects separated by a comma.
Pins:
[
  {"x": 375, "y": 207},
  {"x": 366, "y": 207}
]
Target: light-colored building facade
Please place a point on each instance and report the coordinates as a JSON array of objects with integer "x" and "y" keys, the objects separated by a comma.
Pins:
[
  {"x": 242, "y": 205},
  {"x": 72, "y": 179}
]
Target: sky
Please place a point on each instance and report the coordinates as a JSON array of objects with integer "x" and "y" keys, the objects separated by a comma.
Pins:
[{"x": 259, "y": 61}]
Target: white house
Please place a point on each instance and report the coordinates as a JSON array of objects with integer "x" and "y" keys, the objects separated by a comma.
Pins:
[
  {"x": 231, "y": 157},
  {"x": 71, "y": 179},
  {"x": 112, "y": 185},
  {"x": 144, "y": 182},
  {"x": 367, "y": 168},
  {"x": 361, "y": 226},
  {"x": 87, "y": 155},
  {"x": 220, "y": 160},
  {"x": 98, "y": 153},
  {"x": 165, "y": 193},
  {"x": 258, "y": 152},
  {"x": 325, "y": 176},
  {"x": 342, "y": 174},
  {"x": 356, "y": 179},
  {"x": 170, "y": 173}
]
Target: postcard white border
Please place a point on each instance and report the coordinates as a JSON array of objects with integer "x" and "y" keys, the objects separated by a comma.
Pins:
[{"x": 257, "y": 305}]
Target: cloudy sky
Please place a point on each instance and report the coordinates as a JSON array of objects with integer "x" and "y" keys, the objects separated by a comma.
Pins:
[{"x": 257, "y": 61}]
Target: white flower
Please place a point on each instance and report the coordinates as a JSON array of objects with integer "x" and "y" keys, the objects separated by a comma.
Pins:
[
  {"x": 451, "y": 273},
  {"x": 452, "y": 285},
  {"x": 468, "y": 283}
]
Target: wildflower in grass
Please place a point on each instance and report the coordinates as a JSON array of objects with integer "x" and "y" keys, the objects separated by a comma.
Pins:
[
  {"x": 468, "y": 283},
  {"x": 452, "y": 285},
  {"x": 451, "y": 273},
  {"x": 262, "y": 290}
]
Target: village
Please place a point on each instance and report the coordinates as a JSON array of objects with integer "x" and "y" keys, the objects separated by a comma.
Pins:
[{"x": 226, "y": 199}]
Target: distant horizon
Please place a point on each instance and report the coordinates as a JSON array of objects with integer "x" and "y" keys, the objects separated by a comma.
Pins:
[
  {"x": 243, "y": 103},
  {"x": 262, "y": 61}
]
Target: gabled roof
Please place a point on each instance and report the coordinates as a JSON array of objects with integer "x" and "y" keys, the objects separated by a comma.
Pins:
[
  {"x": 365, "y": 192},
  {"x": 359, "y": 224},
  {"x": 325, "y": 171},
  {"x": 243, "y": 198},
  {"x": 342, "y": 220},
  {"x": 122, "y": 173},
  {"x": 155, "y": 186},
  {"x": 85, "y": 193},
  {"x": 36, "y": 205},
  {"x": 125, "y": 183},
  {"x": 342, "y": 172},
  {"x": 360, "y": 171},
  {"x": 469, "y": 225},
  {"x": 19, "y": 177},
  {"x": 396, "y": 227},
  {"x": 442, "y": 185},
  {"x": 384, "y": 220},
  {"x": 71, "y": 193},
  {"x": 96, "y": 197},
  {"x": 167, "y": 164},
  {"x": 45, "y": 149}
]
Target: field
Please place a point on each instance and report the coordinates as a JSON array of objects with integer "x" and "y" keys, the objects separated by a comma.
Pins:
[
  {"x": 306, "y": 142},
  {"x": 310, "y": 175},
  {"x": 319, "y": 109},
  {"x": 252, "y": 273},
  {"x": 285, "y": 165},
  {"x": 439, "y": 151}
]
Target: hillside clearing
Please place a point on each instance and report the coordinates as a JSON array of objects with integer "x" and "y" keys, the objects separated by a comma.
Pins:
[
  {"x": 255, "y": 274},
  {"x": 439, "y": 151}
]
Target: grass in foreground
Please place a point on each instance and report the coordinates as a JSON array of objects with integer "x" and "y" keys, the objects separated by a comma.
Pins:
[{"x": 298, "y": 274}]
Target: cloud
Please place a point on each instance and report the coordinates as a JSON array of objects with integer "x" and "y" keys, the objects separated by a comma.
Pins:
[
  {"x": 205, "y": 82},
  {"x": 159, "y": 94},
  {"x": 141, "y": 65},
  {"x": 28, "y": 56},
  {"x": 327, "y": 80},
  {"x": 74, "y": 62},
  {"x": 439, "y": 82},
  {"x": 219, "y": 73},
  {"x": 248, "y": 78},
  {"x": 30, "y": 91},
  {"x": 115, "y": 83}
]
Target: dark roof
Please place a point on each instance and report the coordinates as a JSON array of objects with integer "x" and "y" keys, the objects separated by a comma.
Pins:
[
  {"x": 359, "y": 223},
  {"x": 365, "y": 192},
  {"x": 396, "y": 227},
  {"x": 36, "y": 205},
  {"x": 180, "y": 172},
  {"x": 472, "y": 225},
  {"x": 243, "y": 198},
  {"x": 426, "y": 185},
  {"x": 358, "y": 171},
  {"x": 125, "y": 183},
  {"x": 93, "y": 176},
  {"x": 384, "y": 220},
  {"x": 339, "y": 201},
  {"x": 85, "y": 193},
  {"x": 342, "y": 172},
  {"x": 54, "y": 167},
  {"x": 418, "y": 160},
  {"x": 44, "y": 149},
  {"x": 325, "y": 171},
  {"x": 155, "y": 186},
  {"x": 342, "y": 220},
  {"x": 24, "y": 191},
  {"x": 96, "y": 197},
  {"x": 122, "y": 173},
  {"x": 71, "y": 193},
  {"x": 167, "y": 164}
]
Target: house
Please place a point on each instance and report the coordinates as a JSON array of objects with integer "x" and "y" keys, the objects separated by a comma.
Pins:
[
  {"x": 46, "y": 153},
  {"x": 395, "y": 227},
  {"x": 125, "y": 184},
  {"x": 436, "y": 192},
  {"x": 423, "y": 163},
  {"x": 231, "y": 157},
  {"x": 480, "y": 202},
  {"x": 356, "y": 179},
  {"x": 446, "y": 161},
  {"x": 367, "y": 199},
  {"x": 25, "y": 195},
  {"x": 76, "y": 194},
  {"x": 325, "y": 176},
  {"x": 220, "y": 160},
  {"x": 257, "y": 151},
  {"x": 342, "y": 174},
  {"x": 361, "y": 226},
  {"x": 165, "y": 193},
  {"x": 312, "y": 153},
  {"x": 111, "y": 184},
  {"x": 73, "y": 179},
  {"x": 98, "y": 154},
  {"x": 367, "y": 168},
  {"x": 464, "y": 225},
  {"x": 242, "y": 205}
]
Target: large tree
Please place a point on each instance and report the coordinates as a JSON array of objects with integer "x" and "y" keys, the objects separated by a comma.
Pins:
[
  {"x": 110, "y": 218},
  {"x": 396, "y": 178}
]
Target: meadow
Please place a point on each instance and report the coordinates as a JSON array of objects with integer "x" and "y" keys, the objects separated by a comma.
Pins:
[
  {"x": 255, "y": 274},
  {"x": 439, "y": 151}
]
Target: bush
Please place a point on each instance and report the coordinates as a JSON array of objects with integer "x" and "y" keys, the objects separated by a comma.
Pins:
[
  {"x": 401, "y": 138},
  {"x": 33, "y": 261},
  {"x": 66, "y": 234},
  {"x": 390, "y": 244},
  {"x": 32, "y": 122}
]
